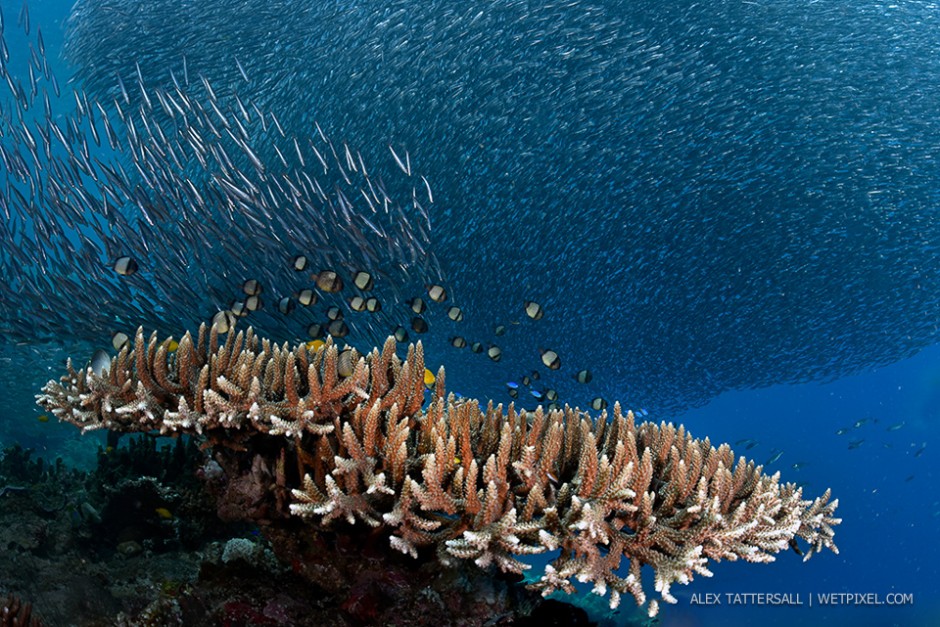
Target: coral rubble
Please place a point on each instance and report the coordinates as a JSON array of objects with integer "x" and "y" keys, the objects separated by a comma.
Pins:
[{"x": 336, "y": 438}]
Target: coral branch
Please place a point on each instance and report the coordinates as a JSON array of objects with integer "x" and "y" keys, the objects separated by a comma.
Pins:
[{"x": 483, "y": 485}]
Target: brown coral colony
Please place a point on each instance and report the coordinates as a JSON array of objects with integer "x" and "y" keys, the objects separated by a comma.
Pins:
[
  {"x": 483, "y": 484},
  {"x": 15, "y": 613}
]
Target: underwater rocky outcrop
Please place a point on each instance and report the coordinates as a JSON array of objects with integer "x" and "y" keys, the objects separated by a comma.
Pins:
[{"x": 322, "y": 440}]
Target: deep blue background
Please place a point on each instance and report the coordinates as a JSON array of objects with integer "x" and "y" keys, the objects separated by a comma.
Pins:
[{"x": 887, "y": 540}]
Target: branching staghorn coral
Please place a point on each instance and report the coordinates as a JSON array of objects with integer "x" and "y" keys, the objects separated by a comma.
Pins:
[
  {"x": 15, "y": 613},
  {"x": 487, "y": 485}
]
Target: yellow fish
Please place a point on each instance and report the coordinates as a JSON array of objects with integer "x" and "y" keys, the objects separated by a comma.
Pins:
[
  {"x": 172, "y": 346},
  {"x": 43, "y": 418},
  {"x": 429, "y": 378},
  {"x": 164, "y": 513},
  {"x": 315, "y": 345}
]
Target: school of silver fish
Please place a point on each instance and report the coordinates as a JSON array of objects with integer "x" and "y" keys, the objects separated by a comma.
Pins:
[{"x": 680, "y": 198}]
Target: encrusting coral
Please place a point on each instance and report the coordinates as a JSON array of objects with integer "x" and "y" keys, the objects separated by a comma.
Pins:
[{"x": 487, "y": 485}]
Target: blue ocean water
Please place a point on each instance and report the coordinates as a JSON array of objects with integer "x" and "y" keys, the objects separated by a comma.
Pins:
[
  {"x": 718, "y": 205},
  {"x": 888, "y": 506}
]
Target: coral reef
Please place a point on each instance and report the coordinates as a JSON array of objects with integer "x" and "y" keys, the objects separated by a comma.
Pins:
[
  {"x": 81, "y": 545},
  {"x": 336, "y": 438}
]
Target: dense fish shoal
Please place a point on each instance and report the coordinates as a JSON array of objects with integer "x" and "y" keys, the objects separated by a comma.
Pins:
[{"x": 699, "y": 197}]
